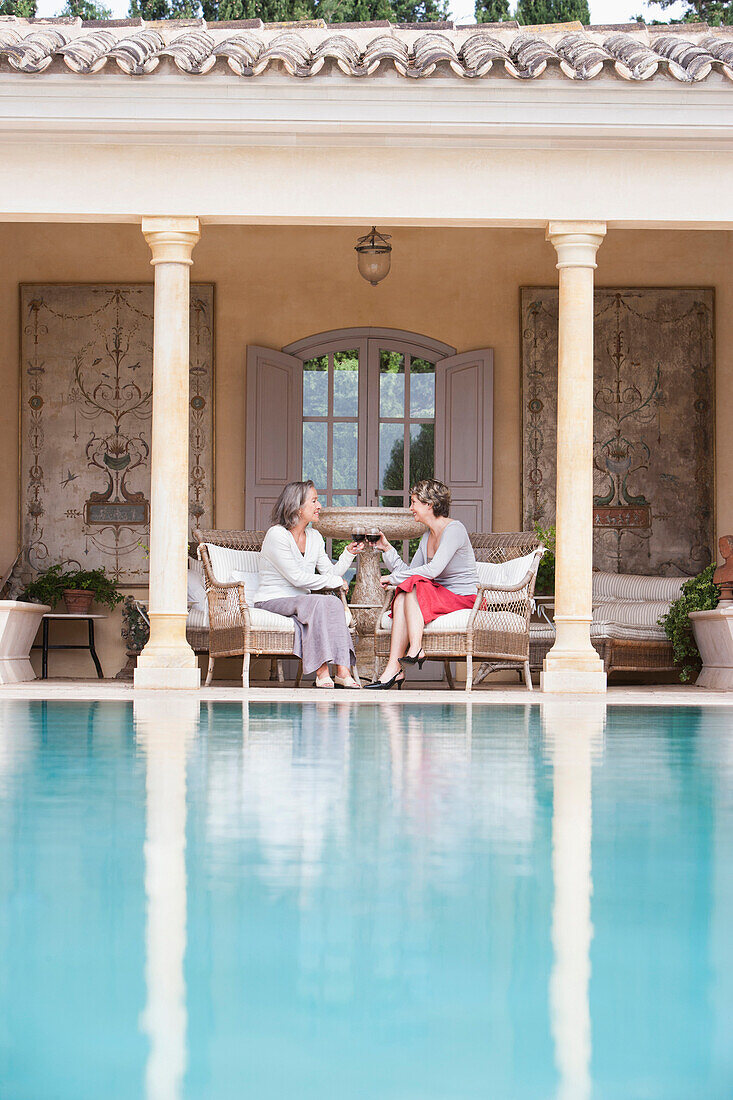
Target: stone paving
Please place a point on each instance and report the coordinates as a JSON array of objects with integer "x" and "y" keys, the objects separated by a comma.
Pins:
[{"x": 231, "y": 691}]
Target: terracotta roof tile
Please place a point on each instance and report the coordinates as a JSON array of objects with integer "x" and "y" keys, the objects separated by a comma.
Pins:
[{"x": 689, "y": 53}]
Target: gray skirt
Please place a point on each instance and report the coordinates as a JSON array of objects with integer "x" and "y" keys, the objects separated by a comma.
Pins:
[{"x": 321, "y": 633}]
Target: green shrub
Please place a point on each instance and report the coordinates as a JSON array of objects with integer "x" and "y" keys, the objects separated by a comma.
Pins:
[
  {"x": 545, "y": 584},
  {"x": 49, "y": 586},
  {"x": 698, "y": 594}
]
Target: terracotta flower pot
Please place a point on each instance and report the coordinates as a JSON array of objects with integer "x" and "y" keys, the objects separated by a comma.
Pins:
[{"x": 78, "y": 601}]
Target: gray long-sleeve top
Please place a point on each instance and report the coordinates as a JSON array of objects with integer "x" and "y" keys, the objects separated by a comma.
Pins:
[{"x": 453, "y": 564}]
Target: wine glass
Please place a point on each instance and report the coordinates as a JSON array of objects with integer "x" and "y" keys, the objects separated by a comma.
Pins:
[{"x": 372, "y": 535}]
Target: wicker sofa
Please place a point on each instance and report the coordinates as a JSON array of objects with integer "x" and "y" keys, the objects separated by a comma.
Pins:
[
  {"x": 624, "y": 629},
  {"x": 495, "y": 632},
  {"x": 234, "y": 628}
]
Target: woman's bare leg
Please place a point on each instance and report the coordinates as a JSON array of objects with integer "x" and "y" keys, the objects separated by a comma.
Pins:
[
  {"x": 415, "y": 623},
  {"x": 399, "y": 639}
]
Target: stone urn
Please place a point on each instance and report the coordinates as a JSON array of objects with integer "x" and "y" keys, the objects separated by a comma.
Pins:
[
  {"x": 713, "y": 629},
  {"x": 367, "y": 598},
  {"x": 713, "y": 632},
  {"x": 19, "y": 623}
]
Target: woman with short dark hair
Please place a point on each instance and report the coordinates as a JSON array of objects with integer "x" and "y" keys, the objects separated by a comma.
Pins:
[
  {"x": 293, "y": 563},
  {"x": 441, "y": 578}
]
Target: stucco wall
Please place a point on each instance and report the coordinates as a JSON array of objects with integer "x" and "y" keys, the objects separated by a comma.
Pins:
[{"x": 275, "y": 285}]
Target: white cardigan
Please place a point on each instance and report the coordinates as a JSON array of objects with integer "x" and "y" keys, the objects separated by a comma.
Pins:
[{"x": 284, "y": 571}]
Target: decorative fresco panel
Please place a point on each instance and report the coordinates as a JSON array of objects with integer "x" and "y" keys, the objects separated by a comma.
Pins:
[
  {"x": 652, "y": 429},
  {"x": 86, "y": 408}
]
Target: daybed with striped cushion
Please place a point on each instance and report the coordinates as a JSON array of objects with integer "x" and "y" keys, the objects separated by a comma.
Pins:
[{"x": 625, "y": 626}]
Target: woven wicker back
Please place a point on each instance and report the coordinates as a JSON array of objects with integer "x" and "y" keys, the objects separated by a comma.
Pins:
[
  {"x": 503, "y": 546},
  {"x": 233, "y": 540}
]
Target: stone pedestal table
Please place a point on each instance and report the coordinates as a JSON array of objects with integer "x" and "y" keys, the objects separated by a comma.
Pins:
[{"x": 396, "y": 524}]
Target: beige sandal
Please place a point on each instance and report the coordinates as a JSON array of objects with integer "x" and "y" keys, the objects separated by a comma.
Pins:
[
  {"x": 346, "y": 682},
  {"x": 324, "y": 681}
]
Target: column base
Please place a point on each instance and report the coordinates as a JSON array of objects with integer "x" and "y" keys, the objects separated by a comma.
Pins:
[
  {"x": 167, "y": 678},
  {"x": 583, "y": 679}
]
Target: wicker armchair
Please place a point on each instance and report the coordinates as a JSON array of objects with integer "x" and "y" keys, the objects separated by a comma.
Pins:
[
  {"x": 497, "y": 628},
  {"x": 232, "y": 632}
]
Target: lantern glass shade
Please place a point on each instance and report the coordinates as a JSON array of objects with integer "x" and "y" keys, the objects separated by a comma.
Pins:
[
  {"x": 374, "y": 265},
  {"x": 374, "y": 256}
]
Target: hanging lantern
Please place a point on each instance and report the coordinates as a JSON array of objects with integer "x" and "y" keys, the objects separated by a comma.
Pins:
[{"x": 374, "y": 256}]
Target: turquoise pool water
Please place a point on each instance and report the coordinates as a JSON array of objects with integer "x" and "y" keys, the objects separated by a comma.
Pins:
[{"x": 365, "y": 902}]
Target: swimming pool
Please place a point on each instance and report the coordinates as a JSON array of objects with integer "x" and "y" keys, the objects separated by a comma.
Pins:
[{"x": 400, "y": 902}]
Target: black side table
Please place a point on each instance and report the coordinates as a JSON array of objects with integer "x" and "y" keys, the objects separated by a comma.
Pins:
[{"x": 45, "y": 646}]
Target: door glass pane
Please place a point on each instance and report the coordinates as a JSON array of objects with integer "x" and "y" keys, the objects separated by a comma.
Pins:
[
  {"x": 343, "y": 462},
  {"x": 315, "y": 438},
  {"x": 422, "y": 387},
  {"x": 391, "y": 502},
  {"x": 315, "y": 387},
  {"x": 346, "y": 383},
  {"x": 422, "y": 452},
  {"x": 391, "y": 383},
  {"x": 344, "y": 500},
  {"x": 391, "y": 456}
]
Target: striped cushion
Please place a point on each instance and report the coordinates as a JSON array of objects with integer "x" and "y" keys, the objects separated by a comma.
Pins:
[
  {"x": 638, "y": 614},
  {"x": 198, "y": 618},
  {"x": 224, "y": 561},
  {"x": 631, "y": 586},
  {"x": 603, "y": 631},
  {"x": 626, "y": 632}
]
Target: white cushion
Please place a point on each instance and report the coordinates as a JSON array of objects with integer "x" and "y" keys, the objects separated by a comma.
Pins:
[
  {"x": 196, "y": 588},
  {"x": 506, "y": 573},
  {"x": 633, "y": 586},
  {"x": 251, "y": 582},
  {"x": 268, "y": 620},
  {"x": 457, "y": 621},
  {"x": 224, "y": 562}
]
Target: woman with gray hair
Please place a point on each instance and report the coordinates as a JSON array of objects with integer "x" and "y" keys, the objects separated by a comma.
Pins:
[{"x": 294, "y": 569}]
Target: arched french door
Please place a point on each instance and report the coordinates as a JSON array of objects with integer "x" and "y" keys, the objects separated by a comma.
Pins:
[{"x": 365, "y": 413}]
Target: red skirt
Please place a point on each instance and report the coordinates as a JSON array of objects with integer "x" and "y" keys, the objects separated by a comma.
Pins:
[{"x": 434, "y": 599}]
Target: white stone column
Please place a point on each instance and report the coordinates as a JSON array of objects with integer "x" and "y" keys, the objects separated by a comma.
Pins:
[
  {"x": 573, "y": 664},
  {"x": 167, "y": 660}
]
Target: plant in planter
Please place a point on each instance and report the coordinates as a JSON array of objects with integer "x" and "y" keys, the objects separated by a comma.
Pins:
[
  {"x": 545, "y": 583},
  {"x": 79, "y": 588},
  {"x": 698, "y": 594},
  {"x": 135, "y": 631}
]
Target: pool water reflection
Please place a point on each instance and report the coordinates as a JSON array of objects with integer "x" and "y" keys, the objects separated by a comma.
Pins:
[{"x": 374, "y": 901}]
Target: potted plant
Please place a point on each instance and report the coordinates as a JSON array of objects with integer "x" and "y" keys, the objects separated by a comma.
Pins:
[
  {"x": 135, "y": 631},
  {"x": 698, "y": 594},
  {"x": 78, "y": 587},
  {"x": 545, "y": 583}
]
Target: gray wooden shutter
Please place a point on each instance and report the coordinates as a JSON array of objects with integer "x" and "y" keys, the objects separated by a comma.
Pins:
[
  {"x": 274, "y": 445},
  {"x": 464, "y": 414}
]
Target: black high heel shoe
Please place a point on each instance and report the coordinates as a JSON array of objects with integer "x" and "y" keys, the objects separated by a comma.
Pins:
[
  {"x": 418, "y": 660},
  {"x": 385, "y": 685}
]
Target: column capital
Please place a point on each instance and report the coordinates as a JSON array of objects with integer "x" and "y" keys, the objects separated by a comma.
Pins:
[
  {"x": 171, "y": 240},
  {"x": 576, "y": 243}
]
